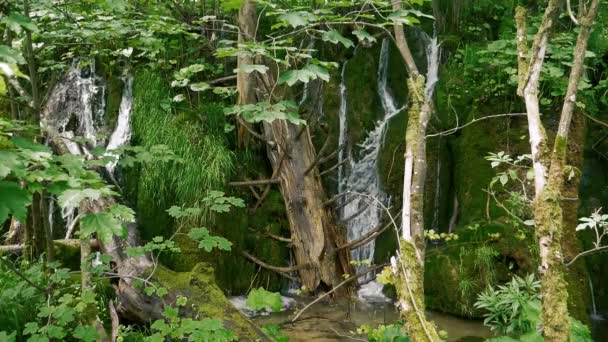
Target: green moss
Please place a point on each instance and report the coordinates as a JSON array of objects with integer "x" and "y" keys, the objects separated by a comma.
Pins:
[{"x": 206, "y": 300}]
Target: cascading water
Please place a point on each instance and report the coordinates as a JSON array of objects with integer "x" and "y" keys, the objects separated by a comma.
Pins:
[
  {"x": 76, "y": 108},
  {"x": 361, "y": 181},
  {"x": 594, "y": 314},
  {"x": 77, "y": 98},
  {"x": 122, "y": 132}
]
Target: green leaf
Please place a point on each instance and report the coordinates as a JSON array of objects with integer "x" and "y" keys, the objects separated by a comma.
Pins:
[
  {"x": 297, "y": 19},
  {"x": 104, "y": 224},
  {"x": 72, "y": 198},
  {"x": 16, "y": 21},
  {"x": 123, "y": 212},
  {"x": 363, "y": 35},
  {"x": 13, "y": 201},
  {"x": 30, "y": 328},
  {"x": 304, "y": 75},
  {"x": 10, "y": 56},
  {"x": 10, "y": 162},
  {"x": 335, "y": 37},
  {"x": 201, "y": 86},
  {"x": 86, "y": 333},
  {"x": 260, "y": 299}
]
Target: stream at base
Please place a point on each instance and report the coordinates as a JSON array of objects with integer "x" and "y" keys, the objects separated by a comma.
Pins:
[{"x": 334, "y": 321}]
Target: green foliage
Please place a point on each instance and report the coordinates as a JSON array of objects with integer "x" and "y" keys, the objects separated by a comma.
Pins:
[
  {"x": 514, "y": 309},
  {"x": 176, "y": 328},
  {"x": 384, "y": 333},
  {"x": 260, "y": 299},
  {"x": 268, "y": 112},
  {"x": 274, "y": 331},
  {"x": 206, "y": 160}
]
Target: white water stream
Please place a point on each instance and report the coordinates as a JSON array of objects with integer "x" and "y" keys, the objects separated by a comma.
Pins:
[
  {"x": 122, "y": 132},
  {"x": 359, "y": 213}
]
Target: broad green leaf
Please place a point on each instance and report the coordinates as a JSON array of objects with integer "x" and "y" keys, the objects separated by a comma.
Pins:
[
  {"x": 363, "y": 35},
  {"x": 86, "y": 333},
  {"x": 201, "y": 86},
  {"x": 73, "y": 197},
  {"x": 297, "y": 19},
  {"x": 16, "y": 22},
  {"x": 304, "y": 75},
  {"x": 260, "y": 299},
  {"x": 10, "y": 56},
  {"x": 104, "y": 224},
  {"x": 335, "y": 37},
  {"x": 13, "y": 201}
]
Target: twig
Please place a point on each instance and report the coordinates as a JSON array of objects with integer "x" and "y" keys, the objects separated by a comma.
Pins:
[
  {"x": 367, "y": 237},
  {"x": 457, "y": 128},
  {"x": 336, "y": 288},
  {"x": 115, "y": 320},
  {"x": 280, "y": 270},
  {"x": 255, "y": 182},
  {"x": 591, "y": 251}
]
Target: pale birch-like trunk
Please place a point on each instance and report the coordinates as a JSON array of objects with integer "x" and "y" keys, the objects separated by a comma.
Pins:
[
  {"x": 410, "y": 271},
  {"x": 549, "y": 170}
]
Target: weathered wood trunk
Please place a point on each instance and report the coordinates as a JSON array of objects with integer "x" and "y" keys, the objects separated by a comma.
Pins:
[
  {"x": 291, "y": 152},
  {"x": 313, "y": 231}
]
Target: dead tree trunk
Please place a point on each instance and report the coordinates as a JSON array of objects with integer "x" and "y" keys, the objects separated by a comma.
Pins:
[{"x": 291, "y": 152}]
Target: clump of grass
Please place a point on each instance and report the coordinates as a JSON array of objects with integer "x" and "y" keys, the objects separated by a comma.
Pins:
[{"x": 207, "y": 160}]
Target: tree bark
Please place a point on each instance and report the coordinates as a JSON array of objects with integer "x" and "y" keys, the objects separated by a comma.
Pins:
[
  {"x": 548, "y": 212},
  {"x": 410, "y": 287},
  {"x": 314, "y": 234}
]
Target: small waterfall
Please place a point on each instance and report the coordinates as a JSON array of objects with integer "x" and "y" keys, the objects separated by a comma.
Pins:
[
  {"x": 359, "y": 214},
  {"x": 594, "y": 314},
  {"x": 122, "y": 133},
  {"x": 433, "y": 56}
]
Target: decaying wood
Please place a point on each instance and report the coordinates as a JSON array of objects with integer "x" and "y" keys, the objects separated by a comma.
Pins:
[
  {"x": 283, "y": 271},
  {"x": 255, "y": 182},
  {"x": 313, "y": 232}
]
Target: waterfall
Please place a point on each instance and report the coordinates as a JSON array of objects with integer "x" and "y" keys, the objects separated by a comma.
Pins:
[
  {"x": 433, "y": 56},
  {"x": 122, "y": 132},
  {"x": 594, "y": 314},
  {"x": 342, "y": 153},
  {"x": 76, "y": 109},
  {"x": 359, "y": 214}
]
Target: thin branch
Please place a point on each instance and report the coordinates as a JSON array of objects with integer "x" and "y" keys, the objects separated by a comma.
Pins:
[
  {"x": 255, "y": 182},
  {"x": 585, "y": 253},
  {"x": 570, "y": 13},
  {"x": 319, "y": 156},
  {"x": 280, "y": 270},
  {"x": 457, "y": 128},
  {"x": 367, "y": 237},
  {"x": 337, "y": 165},
  {"x": 599, "y": 122},
  {"x": 222, "y": 80},
  {"x": 356, "y": 276}
]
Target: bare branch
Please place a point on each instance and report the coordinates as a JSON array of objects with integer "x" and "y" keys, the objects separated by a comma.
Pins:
[
  {"x": 255, "y": 182},
  {"x": 283, "y": 271},
  {"x": 457, "y": 128}
]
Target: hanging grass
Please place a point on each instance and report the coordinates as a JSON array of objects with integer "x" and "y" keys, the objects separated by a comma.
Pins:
[{"x": 207, "y": 161}]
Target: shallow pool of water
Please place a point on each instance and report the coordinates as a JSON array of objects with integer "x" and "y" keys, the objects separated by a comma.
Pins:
[{"x": 338, "y": 320}]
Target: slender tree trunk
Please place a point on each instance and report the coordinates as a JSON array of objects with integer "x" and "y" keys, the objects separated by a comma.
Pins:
[
  {"x": 410, "y": 287},
  {"x": 245, "y": 81},
  {"x": 549, "y": 171}
]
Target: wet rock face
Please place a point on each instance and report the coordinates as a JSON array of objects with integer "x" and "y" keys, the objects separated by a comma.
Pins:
[{"x": 77, "y": 103}]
